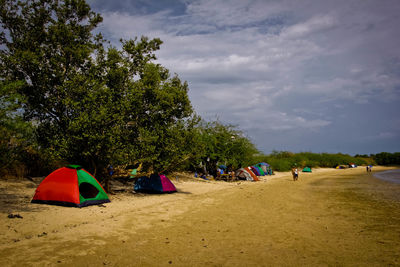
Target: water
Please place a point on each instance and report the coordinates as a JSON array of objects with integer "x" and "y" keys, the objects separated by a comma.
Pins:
[{"x": 390, "y": 176}]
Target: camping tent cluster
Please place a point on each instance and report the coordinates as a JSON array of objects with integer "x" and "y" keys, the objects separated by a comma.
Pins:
[
  {"x": 75, "y": 187},
  {"x": 251, "y": 173},
  {"x": 350, "y": 165}
]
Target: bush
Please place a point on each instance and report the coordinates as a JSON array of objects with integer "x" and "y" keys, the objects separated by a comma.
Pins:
[{"x": 386, "y": 158}]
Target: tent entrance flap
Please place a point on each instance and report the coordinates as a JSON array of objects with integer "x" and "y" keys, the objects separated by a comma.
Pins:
[{"x": 88, "y": 190}]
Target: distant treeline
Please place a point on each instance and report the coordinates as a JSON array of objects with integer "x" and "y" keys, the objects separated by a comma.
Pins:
[
  {"x": 386, "y": 158},
  {"x": 284, "y": 160}
]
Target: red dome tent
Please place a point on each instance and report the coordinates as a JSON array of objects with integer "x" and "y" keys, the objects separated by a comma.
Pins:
[{"x": 70, "y": 186}]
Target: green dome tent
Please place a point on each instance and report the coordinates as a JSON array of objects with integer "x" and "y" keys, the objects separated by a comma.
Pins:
[{"x": 307, "y": 169}]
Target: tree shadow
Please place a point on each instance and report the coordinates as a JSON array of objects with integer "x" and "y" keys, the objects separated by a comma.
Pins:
[{"x": 16, "y": 201}]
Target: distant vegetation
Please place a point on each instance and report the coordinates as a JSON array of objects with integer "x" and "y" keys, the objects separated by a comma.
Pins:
[
  {"x": 386, "y": 158},
  {"x": 284, "y": 160}
]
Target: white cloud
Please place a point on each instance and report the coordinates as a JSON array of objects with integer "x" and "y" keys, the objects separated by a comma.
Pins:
[
  {"x": 312, "y": 26},
  {"x": 283, "y": 121},
  {"x": 118, "y": 25}
]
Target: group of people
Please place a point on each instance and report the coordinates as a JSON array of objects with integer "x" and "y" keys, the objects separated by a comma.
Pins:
[
  {"x": 226, "y": 174},
  {"x": 369, "y": 168}
]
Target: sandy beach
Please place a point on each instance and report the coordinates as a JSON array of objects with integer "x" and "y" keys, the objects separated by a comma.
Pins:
[{"x": 328, "y": 218}]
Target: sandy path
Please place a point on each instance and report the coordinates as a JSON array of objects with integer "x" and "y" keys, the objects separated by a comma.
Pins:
[{"x": 328, "y": 217}]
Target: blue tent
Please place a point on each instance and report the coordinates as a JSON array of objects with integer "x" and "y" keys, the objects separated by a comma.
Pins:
[{"x": 256, "y": 170}]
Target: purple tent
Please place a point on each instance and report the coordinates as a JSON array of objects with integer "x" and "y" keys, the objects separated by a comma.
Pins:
[
  {"x": 155, "y": 184},
  {"x": 167, "y": 185}
]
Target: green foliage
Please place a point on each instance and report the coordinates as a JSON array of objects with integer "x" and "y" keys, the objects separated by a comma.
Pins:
[
  {"x": 92, "y": 105},
  {"x": 280, "y": 164},
  {"x": 284, "y": 160},
  {"x": 385, "y": 158},
  {"x": 19, "y": 153},
  {"x": 47, "y": 44},
  {"x": 162, "y": 116},
  {"x": 222, "y": 144},
  {"x": 369, "y": 160},
  {"x": 15, "y": 133},
  {"x": 44, "y": 47}
]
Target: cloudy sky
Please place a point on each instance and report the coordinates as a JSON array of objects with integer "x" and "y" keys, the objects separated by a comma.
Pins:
[{"x": 295, "y": 75}]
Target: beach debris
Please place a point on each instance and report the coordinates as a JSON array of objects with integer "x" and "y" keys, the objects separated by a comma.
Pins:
[
  {"x": 12, "y": 216},
  {"x": 42, "y": 234}
]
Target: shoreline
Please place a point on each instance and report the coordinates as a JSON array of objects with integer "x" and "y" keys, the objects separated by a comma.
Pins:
[
  {"x": 389, "y": 176},
  {"x": 328, "y": 217}
]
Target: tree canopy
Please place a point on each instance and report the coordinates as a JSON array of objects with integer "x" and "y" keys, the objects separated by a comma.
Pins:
[{"x": 90, "y": 103}]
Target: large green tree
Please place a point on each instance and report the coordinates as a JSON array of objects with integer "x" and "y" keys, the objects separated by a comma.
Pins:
[
  {"x": 91, "y": 104},
  {"x": 44, "y": 45}
]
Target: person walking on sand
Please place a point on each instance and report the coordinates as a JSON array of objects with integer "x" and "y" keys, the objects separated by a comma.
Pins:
[{"x": 295, "y": 174}]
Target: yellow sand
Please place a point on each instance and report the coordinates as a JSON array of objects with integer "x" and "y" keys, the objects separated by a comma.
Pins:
[{"x": 327, "y": 218}]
